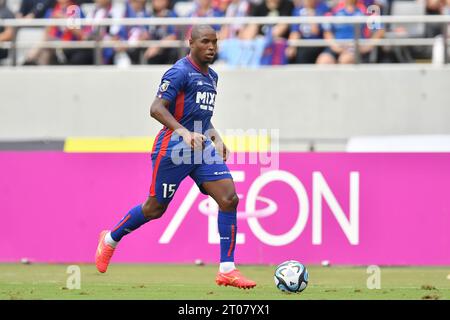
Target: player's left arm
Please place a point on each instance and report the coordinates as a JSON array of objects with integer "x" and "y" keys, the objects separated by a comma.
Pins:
[{"x": 214, "y": 135}]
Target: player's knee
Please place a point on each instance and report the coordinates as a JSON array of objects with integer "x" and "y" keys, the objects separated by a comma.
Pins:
[
  {"x": 229, "y": 203},
  {"x": 153, "y": 211}
]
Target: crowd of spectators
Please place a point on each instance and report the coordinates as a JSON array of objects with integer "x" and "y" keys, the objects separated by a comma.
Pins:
[{"x": 276, "y": 36}]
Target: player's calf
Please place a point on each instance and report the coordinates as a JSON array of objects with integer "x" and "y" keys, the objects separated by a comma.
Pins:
[{"x": 152, "y": 209}]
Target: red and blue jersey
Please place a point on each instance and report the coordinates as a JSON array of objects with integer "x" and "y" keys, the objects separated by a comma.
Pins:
[
  {"x": 191, "y": 95},
  {"x": 305, "y": 29},
  {"x": 60, "y": 32},
  {"x": 347, "y": 31},
  {"x": 132, "y": 32},
  {"x": 161, "y": 32}
]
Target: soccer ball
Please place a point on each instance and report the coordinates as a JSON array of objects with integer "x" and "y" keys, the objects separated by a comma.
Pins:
[{"x": 291, "y": 276}]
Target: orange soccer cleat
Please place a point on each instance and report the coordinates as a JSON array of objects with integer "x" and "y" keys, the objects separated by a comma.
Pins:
[
  {"x": 104, "y": 253},
  {"x": 235, "y": 279}
]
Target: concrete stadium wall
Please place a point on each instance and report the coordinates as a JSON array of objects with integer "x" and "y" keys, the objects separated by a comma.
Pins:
[{"x": 304, "y": 102}]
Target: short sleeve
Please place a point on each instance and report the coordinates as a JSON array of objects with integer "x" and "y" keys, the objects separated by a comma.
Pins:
[{"x": 172, "y": 82}]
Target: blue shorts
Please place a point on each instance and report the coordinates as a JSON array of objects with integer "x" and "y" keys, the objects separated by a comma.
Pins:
[{"x": 168, "y": 172}]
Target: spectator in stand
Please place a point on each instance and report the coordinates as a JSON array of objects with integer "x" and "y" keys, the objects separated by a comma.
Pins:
[
  {"x": 132, "y": 34},
  {"x": 237, "y": 8},
  {"x": 101, "y": 11},
  {"x": 345, "y": 54},
  {"x": 381, "y": 4},
  {"x": 31, "y": 9},
  {"x": 445, "y": 10},
  {"x": 433, "y": 7},
  {"x": 6, "y": 33},
  {"x": 45, "y": 56},
  {"x": 437, "y": 51},
  {"x": 221, "y": 5},
  {"x": 205, "y": 8},
  {"x": 270, "y": 8},
  {"x": 306, "y": 31},
  {"x": 157, "y": 55}
]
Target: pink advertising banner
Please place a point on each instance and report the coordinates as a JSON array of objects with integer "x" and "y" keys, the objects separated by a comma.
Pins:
[{"x": 348, "y": 208}]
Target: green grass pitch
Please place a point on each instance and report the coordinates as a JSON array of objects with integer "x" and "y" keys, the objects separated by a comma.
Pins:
[{"x": 167, "y": 282}]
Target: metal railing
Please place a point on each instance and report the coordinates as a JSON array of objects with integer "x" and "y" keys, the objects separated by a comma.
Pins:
[{"x": 97, "y": 44}]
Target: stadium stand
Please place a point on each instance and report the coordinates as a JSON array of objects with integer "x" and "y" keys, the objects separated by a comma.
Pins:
[{"x": 270, "y": 48}]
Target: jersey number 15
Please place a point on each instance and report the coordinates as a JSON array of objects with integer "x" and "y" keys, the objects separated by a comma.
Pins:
[{"x": 168, "y": 190}]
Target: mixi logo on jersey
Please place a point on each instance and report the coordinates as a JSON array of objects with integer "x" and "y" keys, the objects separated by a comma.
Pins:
[
  {"x": 205, "y": 100},
  {"x": 257, "y": 207}
]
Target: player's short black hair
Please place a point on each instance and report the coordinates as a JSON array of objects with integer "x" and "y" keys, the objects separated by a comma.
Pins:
[{"x": 198, "y": 30}]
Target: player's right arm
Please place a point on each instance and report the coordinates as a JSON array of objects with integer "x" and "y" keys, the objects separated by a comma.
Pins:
[
  {"x": 159, "y": 111},
  {"x": 172, "y": 83}
]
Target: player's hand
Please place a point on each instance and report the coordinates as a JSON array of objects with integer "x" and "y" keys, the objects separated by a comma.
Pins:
[
  {"x": 194, "y": 139},
  {"x": 222, "y": 150},
  {"x": 197, "y": 140}
]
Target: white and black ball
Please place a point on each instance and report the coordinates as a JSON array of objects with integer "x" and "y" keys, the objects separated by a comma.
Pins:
[{"x": 291, "y": 276}]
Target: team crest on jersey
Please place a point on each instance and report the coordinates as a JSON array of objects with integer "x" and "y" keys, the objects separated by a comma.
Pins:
[{"x": 164, "y": 86}]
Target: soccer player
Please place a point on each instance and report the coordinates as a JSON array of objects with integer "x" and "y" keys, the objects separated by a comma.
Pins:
[{"x": 188, "y": 145}]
